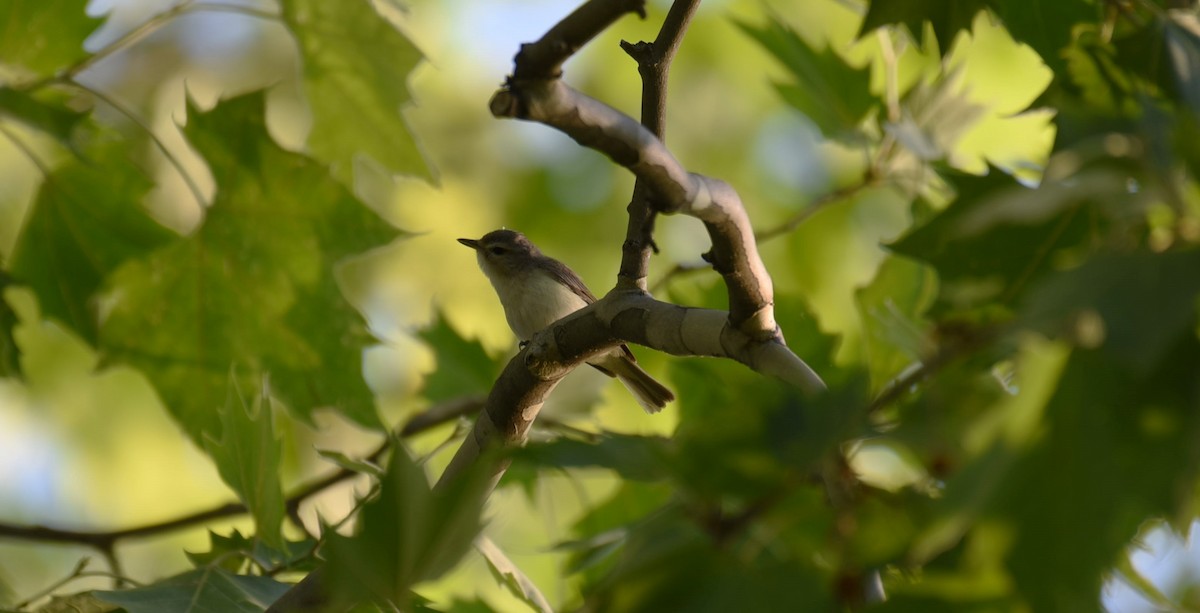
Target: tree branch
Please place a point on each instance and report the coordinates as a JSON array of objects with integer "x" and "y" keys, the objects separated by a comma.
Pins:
[
  {"x": 654, "y": 66},
  {"x": 104, "y": 541},
  {"x": 747, "y": 333}
]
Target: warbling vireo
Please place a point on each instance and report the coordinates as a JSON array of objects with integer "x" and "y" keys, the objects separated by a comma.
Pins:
[{"x": 536, "y": 291}]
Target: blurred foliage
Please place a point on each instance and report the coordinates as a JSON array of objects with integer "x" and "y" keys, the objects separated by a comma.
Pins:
[{"x": 1014, "y": 376}]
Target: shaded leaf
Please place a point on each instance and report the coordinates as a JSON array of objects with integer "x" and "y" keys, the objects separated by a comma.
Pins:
[
  {"x": 85, "y": 602},
  {"x": 408, "y": 534},
  {"x": 508, "y": 575},
  {"x": 891, "y": 308},
  {"x": 231, "y": 553},
  {"x": 671, "y": 565},
  {"x": 1183, "y": 47},
  {"x": 255, "y": 285},
  {"x": 211, "y": 590},
  {"x": 947, "y": 17},
  {"x": 86, "y": 221},
  {"x": 639, "y": 458},
  {"x": 832, "y": 93},
  {"x": 1133, "y": 305},
  {"x": 247, "y": 458},
  {"x": 343, "y": 461},
  {"x": 10, "y": 354},
  {"x": 998, "y": 235},
  {"x": 56, "y": 120},
  {"x": 462, "y": 366},
  {"x": 355, "y": 70},
  {"x": 1118, "y": 447},
  {"x": 44, "y": 36},
  {"x": 768, "y": 433},
  {"x": 1044, "y": 25}
]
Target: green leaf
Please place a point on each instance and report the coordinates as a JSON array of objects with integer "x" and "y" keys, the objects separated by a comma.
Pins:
[
  {"x": 998, "y": 235},
  {"x": 891, "y": 308},
  {"x": 408, "y": 534},
  {"x": 768, "y": 432},
  {"x": 1118, "y": 446},
  {"x": 355, "y": 70},
  {"x": 44, "y": 36},
  {"x": 10, "y": 354},
  {"x": 211, "y": 590},
  {"x": 948, "y": 18},
  {"x": 462, "y": 366},
  {"x": 1133, "y": 305},
  {"x": 1182, "y": 34},
  {"x": 86, "y": 221},
  {"x": 231, "y": 552},
  {"x": 832, "y": 93},
  {"x": 638, "y": 458},
  {"x": 508, "y": 575},
  {"x": 343, "y": 461},
  {"x": 1045, "y": 25},
  {"x": 671, "y": 565},
  {"x": 85, "y": 602},
  {"x": 52, "y": 118},
  {"x": 247, "y": 458},
  {"x": 604, "y": 528},
  {"x": 256, "y": 285},
  {"x": 935, "y": 115}
]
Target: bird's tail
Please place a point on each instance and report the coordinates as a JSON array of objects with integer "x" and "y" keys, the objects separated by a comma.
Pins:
[{"x": 648, "y": 392}]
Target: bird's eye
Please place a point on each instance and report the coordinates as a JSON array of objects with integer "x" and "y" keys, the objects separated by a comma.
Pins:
[{"x": 497, "y": 250}]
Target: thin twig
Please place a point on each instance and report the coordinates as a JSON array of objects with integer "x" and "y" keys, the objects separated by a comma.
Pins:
[
  {"x": 162, "y": 147},
  {"x": 654, "y": 65},
  {"x": 105, "y": 540},
  {"x": 149, "y": 26},
  {"x": 26, "y": 149}
]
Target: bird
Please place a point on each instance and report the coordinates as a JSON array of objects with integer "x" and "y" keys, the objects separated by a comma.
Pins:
[{"x": 536, "y": 290}]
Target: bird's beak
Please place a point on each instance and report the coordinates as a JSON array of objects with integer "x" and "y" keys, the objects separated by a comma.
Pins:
[{"x": 470, "y": 242}]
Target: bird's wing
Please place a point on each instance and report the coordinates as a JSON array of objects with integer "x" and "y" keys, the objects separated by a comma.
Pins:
[{"x": 567, "y": 277}]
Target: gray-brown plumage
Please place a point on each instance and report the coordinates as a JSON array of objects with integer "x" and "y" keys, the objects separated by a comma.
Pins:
[{"x": 537, "y": 290}]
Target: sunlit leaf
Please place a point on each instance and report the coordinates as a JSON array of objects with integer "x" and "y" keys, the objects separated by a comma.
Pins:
[
  {"x": 247, "y": 458},
  {"x": 210, "y": 590},
  {"x": 833, "y": 94},
  {"x": 44, "y": 36},
  {"x": 255, "y": 285},
  {"x": 935, "y": 115},
  {"x": 355, "y": 66}
]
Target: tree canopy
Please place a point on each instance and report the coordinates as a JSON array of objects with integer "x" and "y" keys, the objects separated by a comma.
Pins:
[{"x": 238, "y": 343}]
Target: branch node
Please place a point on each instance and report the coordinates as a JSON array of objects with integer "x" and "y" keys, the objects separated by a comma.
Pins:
[{"x": 642, "y": 52}]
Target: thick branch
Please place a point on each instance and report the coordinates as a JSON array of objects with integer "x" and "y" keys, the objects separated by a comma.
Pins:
[{"x": 598, "y": 126}]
